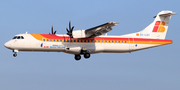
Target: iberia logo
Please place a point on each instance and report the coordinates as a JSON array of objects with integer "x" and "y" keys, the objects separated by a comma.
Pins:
[{"x": 159, "y": 26}]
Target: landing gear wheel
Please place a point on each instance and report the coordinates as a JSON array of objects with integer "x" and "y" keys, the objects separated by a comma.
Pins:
[
  {"x": 87, "y": 55},
  {"x": 14, "y": 54},
  {"x": 77, "y": 57}
]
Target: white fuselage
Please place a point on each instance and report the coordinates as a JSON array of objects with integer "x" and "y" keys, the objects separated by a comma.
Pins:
[{"x": 106, "y": 44}]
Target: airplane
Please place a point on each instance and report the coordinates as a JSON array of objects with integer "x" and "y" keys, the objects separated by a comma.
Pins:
[{"x": 94, "y": 40}]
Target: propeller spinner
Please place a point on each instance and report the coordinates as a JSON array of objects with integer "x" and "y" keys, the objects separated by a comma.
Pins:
[{"x": 70, "y": 30}]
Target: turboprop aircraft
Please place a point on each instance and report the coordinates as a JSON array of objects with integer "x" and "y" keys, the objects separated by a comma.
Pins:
[{"x": 92, "y": 41}]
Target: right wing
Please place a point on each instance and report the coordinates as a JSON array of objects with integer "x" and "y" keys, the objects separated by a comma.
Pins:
[
  {"x": 95, "y": 31},
  {"x": 101, "y": 29}
]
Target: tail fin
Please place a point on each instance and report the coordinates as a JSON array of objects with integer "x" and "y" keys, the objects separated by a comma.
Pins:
[{"x": 158, "y": 28}]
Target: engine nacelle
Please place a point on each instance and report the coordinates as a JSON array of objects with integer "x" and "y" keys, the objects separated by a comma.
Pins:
[{"x": 79, "y": 34}]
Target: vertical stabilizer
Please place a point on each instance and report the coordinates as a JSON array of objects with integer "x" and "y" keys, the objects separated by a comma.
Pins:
[{"x": 157, "y": 29}]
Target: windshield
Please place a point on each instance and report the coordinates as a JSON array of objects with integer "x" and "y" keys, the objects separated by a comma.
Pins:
[
  {"x": 18, "y": 37},
  {"x": 14, "y": 37}
]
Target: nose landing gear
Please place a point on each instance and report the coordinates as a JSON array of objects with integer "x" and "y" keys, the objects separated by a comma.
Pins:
[{"x": 15, "y": 53}]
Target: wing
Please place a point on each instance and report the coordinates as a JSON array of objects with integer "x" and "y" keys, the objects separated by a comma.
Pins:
[
  {"x": 95, "y": 31},
  {"x": 100, "y": 30}
]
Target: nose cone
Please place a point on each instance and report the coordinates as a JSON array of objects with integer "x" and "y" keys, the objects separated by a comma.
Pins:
[{"x": 7, "y": 45}]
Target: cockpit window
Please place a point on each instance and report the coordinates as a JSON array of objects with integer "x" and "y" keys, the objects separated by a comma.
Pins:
[
  {"x": 18, "y": 37},
  {"x": 22, "y": 37},
  {"x": 14, "y": 37}
]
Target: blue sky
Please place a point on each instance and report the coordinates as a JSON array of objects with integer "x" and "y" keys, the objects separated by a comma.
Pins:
[{"x": 151, "y": 69}]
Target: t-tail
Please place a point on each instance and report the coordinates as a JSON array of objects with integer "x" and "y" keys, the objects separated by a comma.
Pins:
[{"x": 157, "y": 29}]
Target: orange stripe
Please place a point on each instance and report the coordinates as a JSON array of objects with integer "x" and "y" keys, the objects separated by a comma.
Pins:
[{"x": 37, "y": 36}]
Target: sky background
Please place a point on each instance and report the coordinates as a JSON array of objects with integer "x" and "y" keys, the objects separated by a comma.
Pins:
[{"x": 151, "y": 69}]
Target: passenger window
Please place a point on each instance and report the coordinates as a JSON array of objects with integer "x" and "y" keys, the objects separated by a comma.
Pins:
[
  {"x": 115, "y": 41},
  {"x": 44, "y": 40},
  {"x": 125, "y": 42},
  {"x": 74, "y": 40},
  {"x": 67, "y": 40},
  {"x": 109, "y": 41},
  {"x": 122, "y": 41},
  {"x": 112, "y": 41},
  {"x": 47, "y": 40},
  {"x": 119, "y": 42},
  {"x": 84, "y": 40},
  {"x": 106, "y": 41},
  {"x": 51, "y": 40},
  {"x": 54, "y": 40},
  {"x": 60, "y": 40},
  {"x": 81, "y": 40},
  {"x": 64, "y": 40},
  {"x": 77, "y": 40},
  {"x": 57, "y": 40},
  {"x": 98, "y": 41}
]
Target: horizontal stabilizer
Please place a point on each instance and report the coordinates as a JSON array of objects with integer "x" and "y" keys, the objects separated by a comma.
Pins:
[{"x": 167, "y": 14}]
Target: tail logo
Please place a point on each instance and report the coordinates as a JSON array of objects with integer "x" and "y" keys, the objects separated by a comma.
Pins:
[{"x": 159, "y": 27}]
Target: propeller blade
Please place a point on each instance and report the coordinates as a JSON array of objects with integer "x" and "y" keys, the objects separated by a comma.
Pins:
[
  {"x": 67, "y": 30},
  {"x": 69, "y": 25},
  {"x": 72, "y": 28},
  {"x": 52, "y": 29},
  {"x": 54, "y": 32}
]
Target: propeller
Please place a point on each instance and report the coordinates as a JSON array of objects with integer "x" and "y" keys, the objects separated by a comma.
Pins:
[
  {"x": 52, "y": 32},
  {"x": 70, "y": 30}
]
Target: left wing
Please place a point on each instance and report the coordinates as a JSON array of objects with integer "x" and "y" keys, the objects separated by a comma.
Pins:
[{"x": 95, "y": 31}]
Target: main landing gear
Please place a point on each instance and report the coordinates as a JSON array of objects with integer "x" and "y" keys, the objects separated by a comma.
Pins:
[{"x": 83, "y": 52}]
